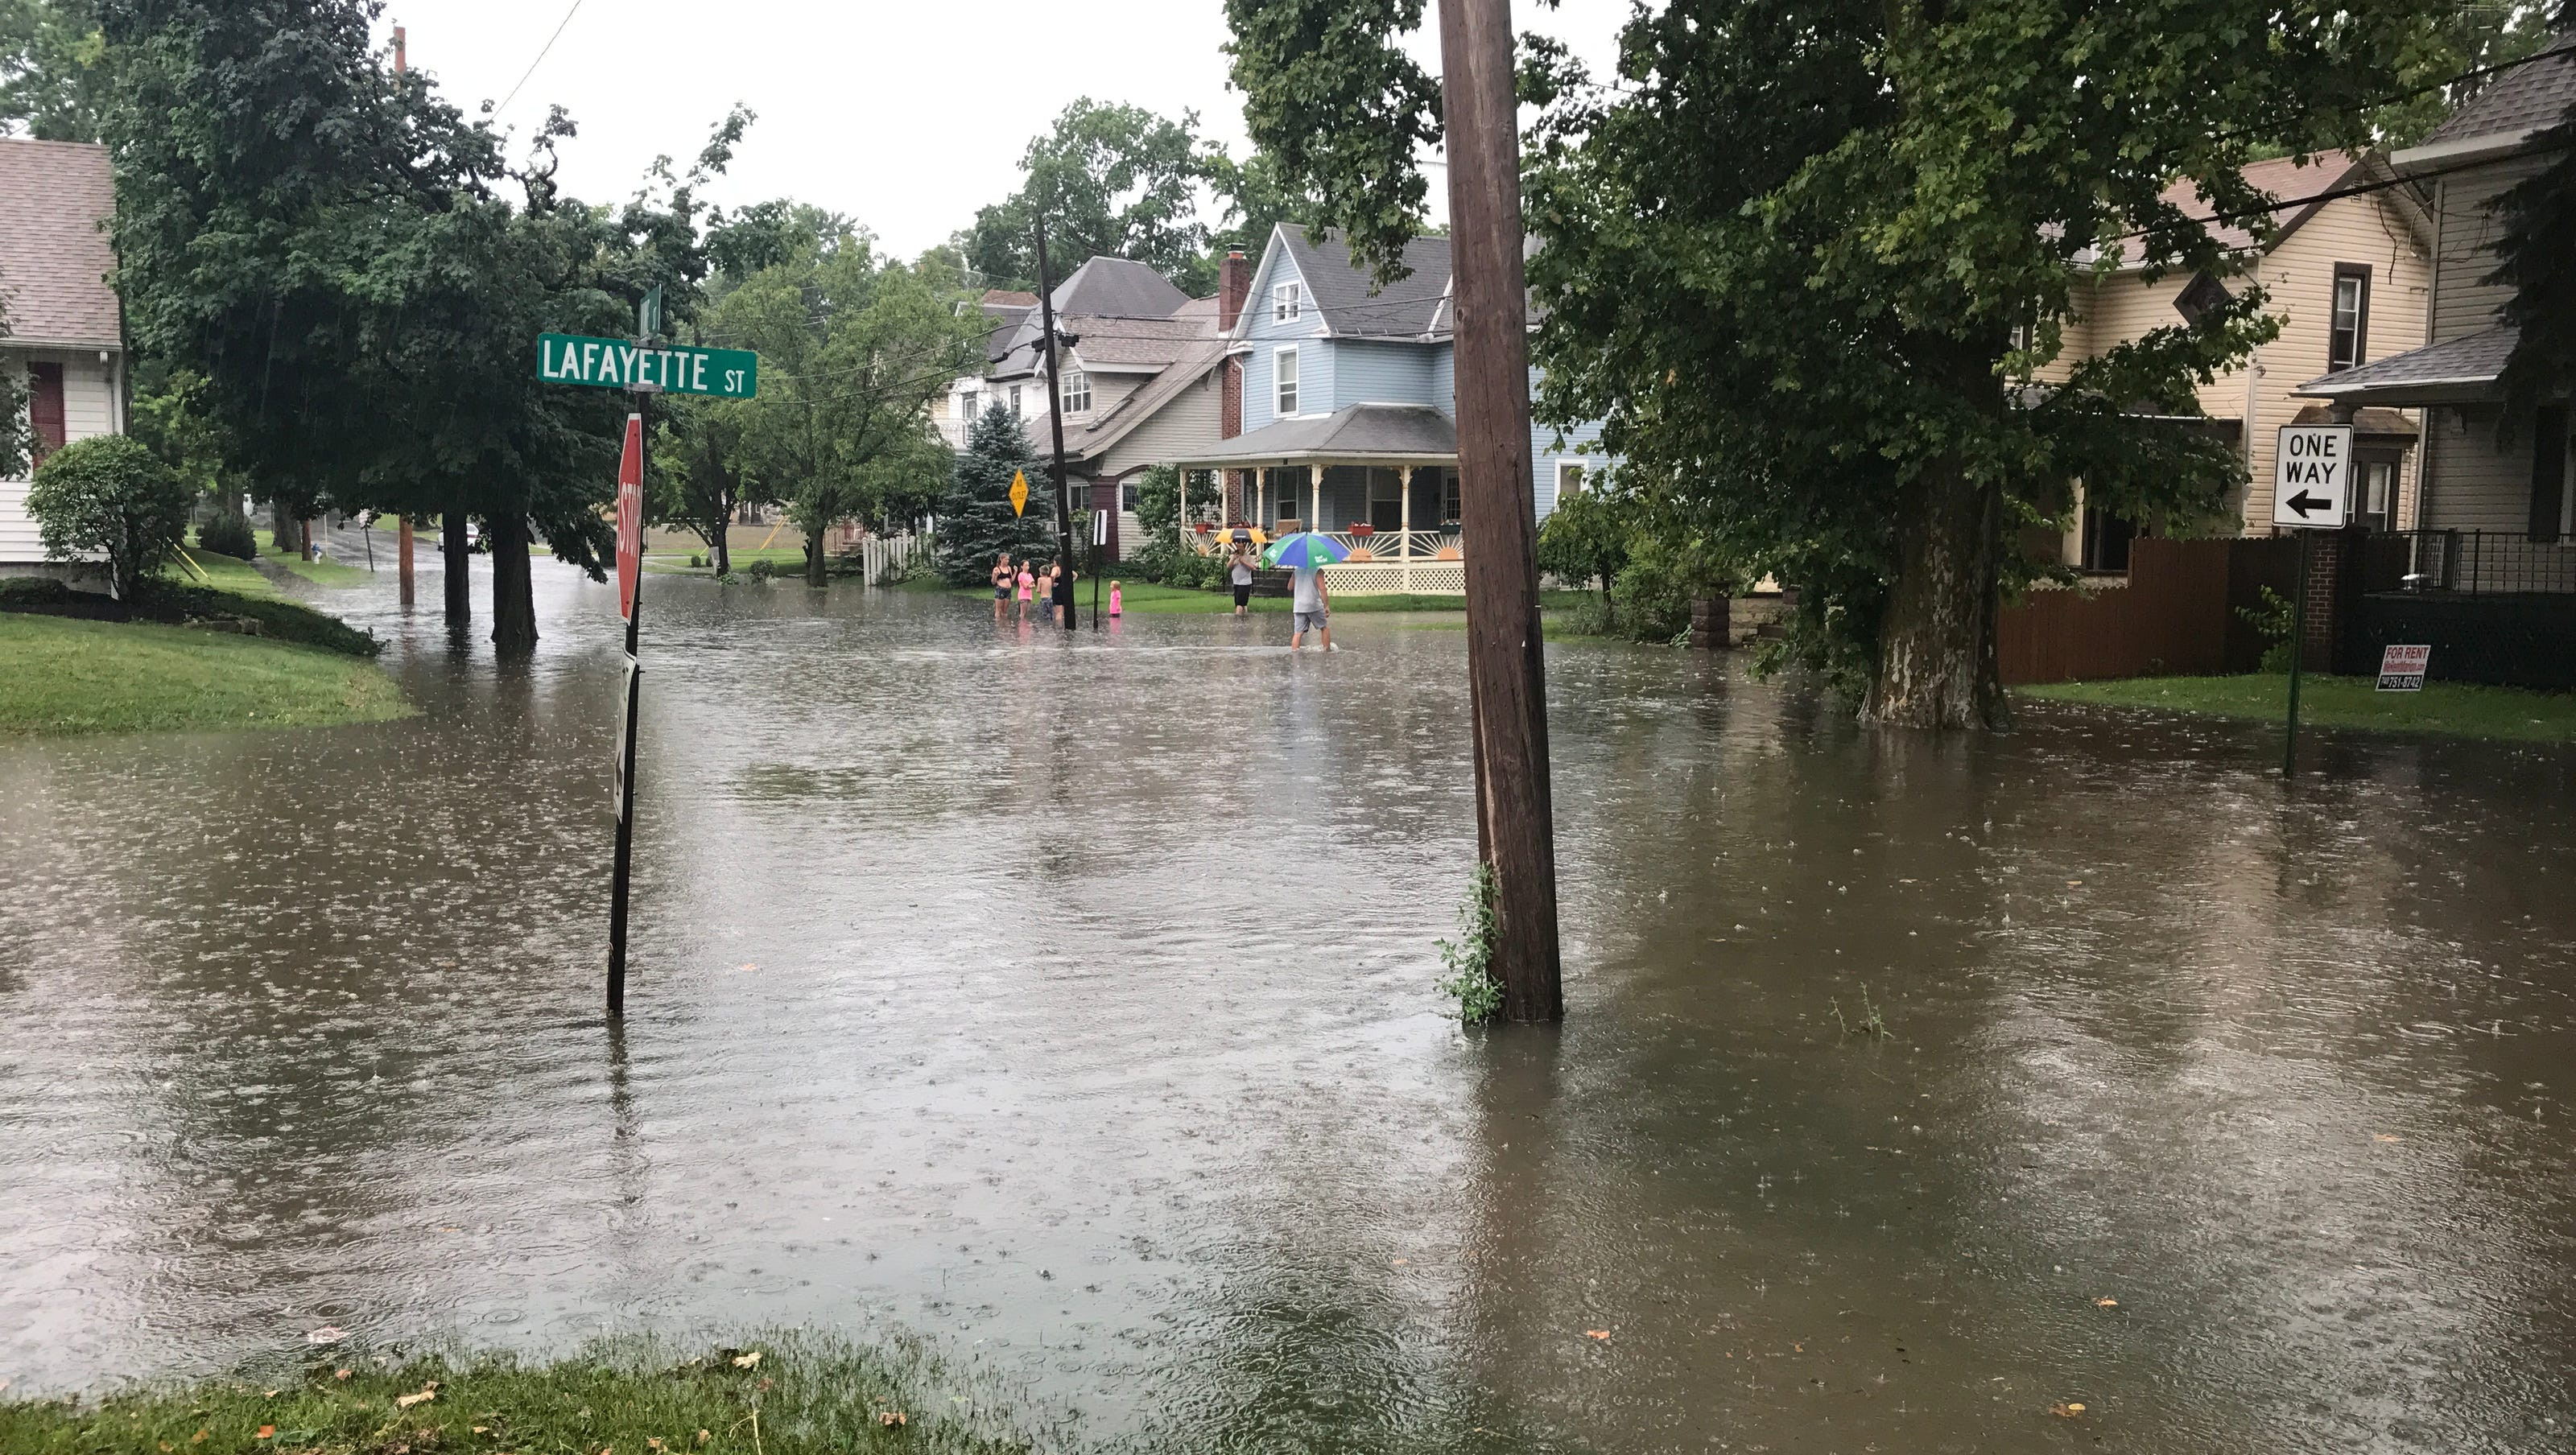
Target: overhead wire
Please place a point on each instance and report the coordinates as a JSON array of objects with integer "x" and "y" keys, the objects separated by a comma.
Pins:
[{"x": 542, "y": 52}]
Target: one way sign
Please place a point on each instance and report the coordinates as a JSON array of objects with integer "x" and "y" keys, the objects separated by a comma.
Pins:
[{"x": 2312, "y": 476}]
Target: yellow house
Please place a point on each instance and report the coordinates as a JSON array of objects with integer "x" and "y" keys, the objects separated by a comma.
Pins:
[{"x": 2347, "y": 276}]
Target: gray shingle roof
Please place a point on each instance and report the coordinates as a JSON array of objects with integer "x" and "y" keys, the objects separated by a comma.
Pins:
[
  {"x": 1358, "y": 433},
  {"x": 2527, "y": 98},
  {"x": 54, "y": 260},
  {"x": 1408, "y": 308},
  {"x": 2460, "y": 371},
  {"x": 1089, "y": 439}
]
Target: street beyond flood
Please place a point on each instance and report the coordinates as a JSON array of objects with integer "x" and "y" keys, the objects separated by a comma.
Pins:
[{"x": 1068, "y": 1001}]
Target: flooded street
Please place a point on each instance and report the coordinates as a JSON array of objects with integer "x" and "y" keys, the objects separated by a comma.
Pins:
[{"x": 1070, "y": 1004}]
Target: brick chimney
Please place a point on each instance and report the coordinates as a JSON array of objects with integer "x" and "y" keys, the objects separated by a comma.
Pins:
[{"x": 1233, "y": 284}]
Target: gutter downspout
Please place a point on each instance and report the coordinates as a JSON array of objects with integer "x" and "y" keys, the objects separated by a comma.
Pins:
[{"x": 2253, "y": 383}]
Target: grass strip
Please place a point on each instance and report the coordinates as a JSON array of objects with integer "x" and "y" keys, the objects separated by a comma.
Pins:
[
  {"x": 60, "y": 675},
  {"x": 797, "y": 1395},
  {"x": 2452, "y": 709}
]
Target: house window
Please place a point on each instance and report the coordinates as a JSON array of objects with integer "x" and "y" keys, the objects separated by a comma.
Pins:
[
  {"x": 1569, "y": 479},
  {"x": 1080, "y": 491},
  {"x": 1015, "y": 401},
  {"x": 1284, "y": 366},
  {"x": 1076, "y": 393},
  {"x": 1287, "y": 302},
  {"x": 966, "y": 406},
  {"x": 1449, "y": 500},
  {"x": 2378, "y": 490},
  {"x": 45, "y": 408},
  {"x": 1386, "y": 500},
  {"x": 1131, "y": 497},
  {"x": 2348, "y": 328}
]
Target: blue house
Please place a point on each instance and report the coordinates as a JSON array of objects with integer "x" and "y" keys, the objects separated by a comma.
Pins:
[{"x": 1348, "y": 414}]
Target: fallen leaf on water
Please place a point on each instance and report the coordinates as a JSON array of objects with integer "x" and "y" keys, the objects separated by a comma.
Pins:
[
  {"x": 2106, "y": 1303},
  {"x": 264, "y": 1432},
  {"x": 1400, "y": 1262},
  {"x": 747, "y": 1361},
  {"x": 2386, "y": 1137},
  {"x": 1596, "y": 1333},
  {"x": 2068, "y": 1410},
  {"x": 2075, "y": 884},
  {"x": 893, "y": 1417},
  {"x": 325, "y": 1335}
]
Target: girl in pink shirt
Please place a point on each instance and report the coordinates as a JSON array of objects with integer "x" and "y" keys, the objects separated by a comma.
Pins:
[{"x": 1113, "y": 598}]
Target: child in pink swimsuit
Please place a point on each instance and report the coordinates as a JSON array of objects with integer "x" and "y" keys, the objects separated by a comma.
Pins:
[
  {"x": 1028, "y": 581},
  {"x": 1113, "y": 598}
]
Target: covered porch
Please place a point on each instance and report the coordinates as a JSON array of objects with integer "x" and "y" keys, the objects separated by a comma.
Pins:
[{"x": 1379, "y": 479}]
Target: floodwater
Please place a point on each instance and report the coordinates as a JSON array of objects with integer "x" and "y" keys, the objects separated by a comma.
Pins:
[{"x": 1069, "y": 1004}]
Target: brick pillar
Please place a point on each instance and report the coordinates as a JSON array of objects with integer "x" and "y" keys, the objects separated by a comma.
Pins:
[{"x": 2334, "y": 598}]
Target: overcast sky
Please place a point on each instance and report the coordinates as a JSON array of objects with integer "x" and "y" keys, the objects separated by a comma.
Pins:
[{"x": 905, "y": 114}]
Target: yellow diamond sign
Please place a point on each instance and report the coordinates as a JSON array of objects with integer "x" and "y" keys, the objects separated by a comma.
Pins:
[{"x": 1019, "y": 492}]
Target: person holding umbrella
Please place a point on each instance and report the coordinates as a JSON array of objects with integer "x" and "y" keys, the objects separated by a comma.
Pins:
[{"x": 1307, "y": 554}]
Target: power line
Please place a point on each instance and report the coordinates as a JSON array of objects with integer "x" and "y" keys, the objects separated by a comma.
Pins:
[{"x": 542, "y": 53}]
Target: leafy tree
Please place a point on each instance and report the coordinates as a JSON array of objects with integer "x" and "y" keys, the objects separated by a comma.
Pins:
[
  {"x": 2537, "y": 259},
  {"x": 853, "y": 350},
  {"x": 1586, "y": 539},
  {"x": 1113, "y": 181},
  {"x": 110, "y": 495},
  {"x": 2446, "y": 42},
  {"x": 53, "y": 69},
  {"x": 1784, "y": 255},
  {"x": 697, "y": 483},
  {"x": 976, "y": 525},
  {"x": 1257, "y": 198},
  {"x": 300, "y": 227},
  {"x": 16, "y": 430},
  {"x": 1342, "y": 110}
]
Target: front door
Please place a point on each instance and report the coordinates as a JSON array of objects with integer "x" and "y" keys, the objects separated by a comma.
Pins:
[
  {"x": 1386, "y": 500},
  {"x": 2374, "y": 506}
]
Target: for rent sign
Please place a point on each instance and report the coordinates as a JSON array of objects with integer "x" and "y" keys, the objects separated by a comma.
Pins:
[
  {"x": 607, "y": 363},
  {"x": 2401, "y": 669}
]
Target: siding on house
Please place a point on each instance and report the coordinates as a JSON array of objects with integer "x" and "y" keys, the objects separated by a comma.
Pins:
[
  {"x": 1550, "y": 447},
  {"x": 91, "y": 406},
  {"x": 2465, "y": 254},
  {"x": 1315, "y": 359},
  {"x": 1383, "y": 373},
  {"x": 2297, "y": 276}
]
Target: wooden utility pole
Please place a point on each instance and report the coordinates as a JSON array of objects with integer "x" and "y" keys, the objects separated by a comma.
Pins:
[
  {"x": 402, "y": 523},
  {"x": 1055, "y": 421},
  {"x": 1507, "y": 676}
]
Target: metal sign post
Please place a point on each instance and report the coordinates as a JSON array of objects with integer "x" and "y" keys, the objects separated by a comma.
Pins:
[
  {"x": 1099, "y": 543},
  {"x": 2311, "y": 490},
  {"x": 642, "y": 366}
]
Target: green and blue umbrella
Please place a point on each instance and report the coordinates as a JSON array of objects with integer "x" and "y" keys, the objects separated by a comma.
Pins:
[{"x": 1304, "y": 551}]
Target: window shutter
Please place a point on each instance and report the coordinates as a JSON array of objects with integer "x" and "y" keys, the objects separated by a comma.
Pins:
[
  {"x": 45, "y": 408},
  {"x": 2548, "y": 472}
]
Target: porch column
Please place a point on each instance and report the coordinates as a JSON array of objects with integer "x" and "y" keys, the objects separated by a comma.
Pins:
[
  {"x": 1315, "y": 497},
  {"x": 1185, "y": 507},
  {"x": 1404, "y": 504}
]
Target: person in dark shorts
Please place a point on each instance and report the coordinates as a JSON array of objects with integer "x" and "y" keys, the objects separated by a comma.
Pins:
[
  {"x": 1063, "y": 597},
  {"x": 1002, "y": 574},
  {"x": 1241, "y": 575}
]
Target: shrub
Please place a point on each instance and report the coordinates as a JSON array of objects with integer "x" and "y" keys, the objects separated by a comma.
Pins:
[
  {"x": 2275, "y": 622},
  {"x": 229, "y": 534},
  {"x": 1653, "y": 595},
  {"x": 111, "y": 496}
]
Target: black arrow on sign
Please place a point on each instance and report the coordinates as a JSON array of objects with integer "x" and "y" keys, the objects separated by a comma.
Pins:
[{"x": 2303, "y": 502}]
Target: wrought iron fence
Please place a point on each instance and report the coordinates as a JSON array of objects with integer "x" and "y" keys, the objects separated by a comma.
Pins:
[{"x": 2478, "y": 563}]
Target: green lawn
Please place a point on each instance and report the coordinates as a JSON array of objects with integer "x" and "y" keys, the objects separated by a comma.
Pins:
[
  {"x": 59, "y": 675},
  {"x": 801, "y": 1396},
  {"x": 329, "y": 573},
  {"x": 2457, "y": 709},
  {"x": 199, "y": 567}
]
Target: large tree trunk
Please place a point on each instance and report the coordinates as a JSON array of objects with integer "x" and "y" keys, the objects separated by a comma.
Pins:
[
  {"x": 459, "y": 570},
  {"x": 514, "y": 606},
  {"x": 814, "y": 560},
  {"x": 1936, "y": 637},
  {"x": 283, "y": 532},
  {"x": 719, "y": 548}
]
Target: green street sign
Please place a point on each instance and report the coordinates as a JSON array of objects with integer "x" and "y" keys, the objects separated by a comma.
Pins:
[{"x": 608, "y": 363}]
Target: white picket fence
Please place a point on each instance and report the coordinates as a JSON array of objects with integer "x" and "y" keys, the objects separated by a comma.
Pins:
[{"x": 883, "y": 556}]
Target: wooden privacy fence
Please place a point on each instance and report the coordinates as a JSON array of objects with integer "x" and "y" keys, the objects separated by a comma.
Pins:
[{"x": 2171, "y": 616}]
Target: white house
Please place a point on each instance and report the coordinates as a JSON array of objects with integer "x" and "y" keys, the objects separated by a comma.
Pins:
[{"x": 60, "y": 328}]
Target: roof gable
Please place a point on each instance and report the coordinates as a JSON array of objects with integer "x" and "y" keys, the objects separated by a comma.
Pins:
[
  {"x": 2528, "y": 98},
  {"x": 1351, "y": 305},
  {"x": 55, "y": 199}
]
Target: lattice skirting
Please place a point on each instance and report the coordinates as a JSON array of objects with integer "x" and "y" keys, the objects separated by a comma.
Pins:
[{"x": 1428, "y": 578}]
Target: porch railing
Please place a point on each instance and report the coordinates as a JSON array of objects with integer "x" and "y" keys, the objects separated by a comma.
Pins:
[
  {"x": 1385, "y": 547},
  {"x": 2470, "y": 562}
]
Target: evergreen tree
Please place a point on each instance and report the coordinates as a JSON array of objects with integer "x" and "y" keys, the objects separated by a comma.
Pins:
[{"x": 975, "y": 523}]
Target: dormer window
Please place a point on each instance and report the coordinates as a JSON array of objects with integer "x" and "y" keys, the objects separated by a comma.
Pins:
[
  {"x": 1287, "y": 302},
  {"x": 1076, "y": 394}
]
